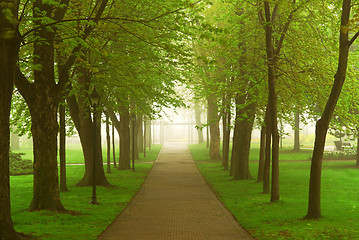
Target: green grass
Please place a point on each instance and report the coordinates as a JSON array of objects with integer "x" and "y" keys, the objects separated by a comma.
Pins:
[
  {"x": 87, "y": 221},
  {"x": 283, "y": 220},
  {"x": 74, "y": 155},
  {"x": 200, "y": 153}
]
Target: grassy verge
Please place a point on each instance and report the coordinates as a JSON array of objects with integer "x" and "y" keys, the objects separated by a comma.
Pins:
[
  {"x": 200, "y": 153},
  {"x": 75, "y": 155},
  {"x": 283, "y": 220},
  {"x": 87, "y": 221}
]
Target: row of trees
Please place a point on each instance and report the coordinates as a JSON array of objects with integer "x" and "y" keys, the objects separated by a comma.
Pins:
[
  {"x": 55, "y": 52},
  {"x": 274, "y": 60}
]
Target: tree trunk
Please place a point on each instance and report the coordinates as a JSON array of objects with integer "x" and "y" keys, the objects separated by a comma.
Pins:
[
  {"x": 296, "y": 130},
  {"x": 272, "y": 102},
  {"x": 267, "y": 157},
  {"x": 123, "y": 128},
  {"x": 108, "y": 141},
  {"x": 214, "y": 147},
  {"x": 240, "y": 100},
  {"x": 149, "y": 135},
  {"x": 137, "y": 125},
  {"x": 144, "y": 137},
  {"x": 125, "y": 146},
  {"x": 86, "y": 133},
  {"x": 44, "y": 131},
  {"x": 314, "y": 209},
  {"x": 357, "y": 158},
  {"x": 197, "y": 114},
  {"x": 235, "y": 147},
  {"x": 9, "y": 47},
  {"x": 42, "y": 96},
  {"x": 140, "y": 134},
  {"x": 81, "y": 116},
  {"x": 207, "y": 131},
  {"x": 62, "y": 150},
  {"x": 261, "y": 154},
  {"x": 241, "y": 168},
  {"x": 226, "y": 137},
  {"x": 113, "y": 146}
]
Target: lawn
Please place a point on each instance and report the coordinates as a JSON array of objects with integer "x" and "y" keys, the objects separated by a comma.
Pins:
[
  {"x": 283, "y": 220},
  {"x": 74, "y": 154},
  {"x": 84, "y": 221},
  {"x": 200, "y": 153}
]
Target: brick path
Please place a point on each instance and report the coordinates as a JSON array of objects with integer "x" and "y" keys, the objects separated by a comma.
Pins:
[{"x": 175, "y": 204}]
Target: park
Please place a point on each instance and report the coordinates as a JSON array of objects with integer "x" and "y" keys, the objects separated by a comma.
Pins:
[{"x": 183, "y": 119}]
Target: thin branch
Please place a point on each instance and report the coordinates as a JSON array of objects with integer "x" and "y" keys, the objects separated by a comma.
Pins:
[
  {"x": 107, "y": 18},
  {"x": 353, "y": 38},
  {"x": 274, "y": 13},
  {"x": 24, "y": 86},
  {"x": 171, "y": 12},
  {"x": 23, "y": 10},
  {"x": 286, "y": 27}
]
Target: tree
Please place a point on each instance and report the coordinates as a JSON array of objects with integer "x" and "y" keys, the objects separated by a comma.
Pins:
[
  {"x": 125, "y": 138},
  {"x": 260, "y": 174},
  {"x": 108, "y": 142},
  {"x": 197, "y": 113},
  {"x": 43, "y": 96},
  {"x": 81, "y": 116},
  {"x": 273, "y": 50},
  {"x": 242, "y": 138},
  {"x": 296, "y": 130},
  {"x": 9, "y": 47},
  {"x": 226, "y": 129},
  {"x": 62, "y": 149},
  {"x": 314, "y": 203},
  {"x": 213, "y": 119}
]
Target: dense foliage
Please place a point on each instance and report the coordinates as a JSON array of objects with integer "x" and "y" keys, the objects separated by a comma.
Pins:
[{"x": 19, "y": 166}]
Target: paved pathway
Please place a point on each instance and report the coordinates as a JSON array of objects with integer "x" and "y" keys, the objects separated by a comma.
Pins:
[{"x": 175, "y": 204}]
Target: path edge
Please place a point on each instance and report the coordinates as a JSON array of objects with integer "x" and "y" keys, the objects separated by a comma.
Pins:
[
  {"x": 215, "y": 194},
  {"x": 134, "y": 196}
]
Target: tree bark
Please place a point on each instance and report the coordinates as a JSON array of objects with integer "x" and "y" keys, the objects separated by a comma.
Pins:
[
  {"x": 267, "y": 157},
  {"x": 9, "y": 48},
  {"x": 125, "y": 140},
  {"x": 81, "y": 116},
  {"x": 149, "y": 135},
  {"x": 62, "y": 150},
  {"x": 137, "y": 125},
  {"x": 113, "y": 146},
  {"x": 241, "y": 156},
  {"x": 226, "y": 129},
  {"x": 357, "y": 158},
  {"x": 314, "y": 203},
  {"x": 272, "y": 102},
  {"x": 226, "y": 137},
  {"x": 261, "y": 154},
  {"x": 144, "y": 137},
  {"x": 296, "y": 130},
  {"x": 140, "y": 134},
  {"x": 197, "y": 114},
  {"x": 240, "y": 101},
  {"x": 108, "y": 142},
  {"x": 214, "y": 146}
]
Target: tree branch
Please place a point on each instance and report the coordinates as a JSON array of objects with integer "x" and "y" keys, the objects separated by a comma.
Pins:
[
  {"x": 353, "y": 38},
  {"x": 286, "y": 27},
  {"x": 24, "y": 86},
  {"x": 65, "y": 68},
  {"x": 60, "y": 12}
]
